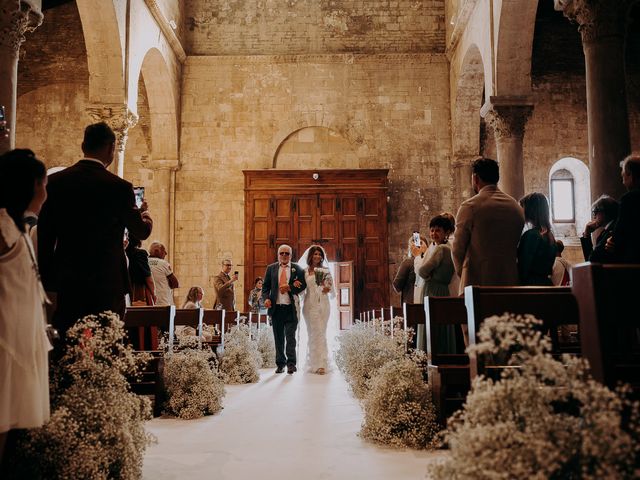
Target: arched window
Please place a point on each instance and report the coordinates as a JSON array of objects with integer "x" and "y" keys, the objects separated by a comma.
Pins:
[{"x": 563, "y": 198}]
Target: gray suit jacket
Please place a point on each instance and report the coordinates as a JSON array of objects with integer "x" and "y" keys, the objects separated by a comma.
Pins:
[{"x": 488, "y": 228}]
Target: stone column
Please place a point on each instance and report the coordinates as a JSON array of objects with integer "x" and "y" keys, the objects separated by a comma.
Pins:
[
  {"x": 163, "y": 206},
  {"x": 120, "y": 119},
  {"x": 602, "y": 26},
  {"x": 462, "y": 173},
  {"x": 508, "y": 117},
  {"x": 16, "y": 18}
]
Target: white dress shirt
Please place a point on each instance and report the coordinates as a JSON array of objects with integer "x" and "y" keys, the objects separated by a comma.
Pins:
[{"x": 283, "y": 298}]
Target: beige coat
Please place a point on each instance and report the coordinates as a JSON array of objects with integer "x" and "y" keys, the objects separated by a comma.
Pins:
[{"x": 488, "y": 228}]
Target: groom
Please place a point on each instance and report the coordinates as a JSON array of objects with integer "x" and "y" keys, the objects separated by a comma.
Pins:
[{"x": 282, "y": 282}]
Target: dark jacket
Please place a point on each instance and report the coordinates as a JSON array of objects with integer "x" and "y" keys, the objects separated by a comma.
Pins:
[
  {"x": 597, "y": 253},
  {"x": 404, "y": 281},
  {"x": 536, "y": 257},
  {"x": 270, "y": 285},
  {"x": 626, "y": 234}
]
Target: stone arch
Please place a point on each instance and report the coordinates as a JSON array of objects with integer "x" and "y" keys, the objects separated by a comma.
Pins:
[
  {"x": 315, "y": 147},
  {"x": 513, "y": 48},
  {"x": 582, "y": 193},
  {"x": 104, "y": 45}
]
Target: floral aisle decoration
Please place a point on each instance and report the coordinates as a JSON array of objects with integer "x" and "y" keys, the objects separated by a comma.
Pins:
[
  {"x": 194, "y": 388},
  {"x": 362, "y": 350},
  {"x": 398, "y": 409},
  {"x": 241, "y": 359},
  {"x": 547, "y": 419},
  {"x": 266, "y": 345},
  {"x": 96, "y": 428}
]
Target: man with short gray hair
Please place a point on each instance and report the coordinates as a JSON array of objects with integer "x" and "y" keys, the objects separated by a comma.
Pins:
[
  {"x": 163, "y": 276},
  {"x": 223, "y": 283}
]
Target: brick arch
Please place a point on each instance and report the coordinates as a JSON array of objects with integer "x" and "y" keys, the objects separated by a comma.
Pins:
[
  {"x": 468, "y": 100},
  {"x": 162, "y": 106},
  {"x": 516, "y": 27},
  {"x": 104, "y": 51},
  {"x": 348, "y": 161}
]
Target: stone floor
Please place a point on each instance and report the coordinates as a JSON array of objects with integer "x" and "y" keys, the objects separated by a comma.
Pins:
[{"x": 283, "y": 427}]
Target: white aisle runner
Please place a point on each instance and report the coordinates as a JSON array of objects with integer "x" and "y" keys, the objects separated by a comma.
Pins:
[{"x": 300, "y": 426}]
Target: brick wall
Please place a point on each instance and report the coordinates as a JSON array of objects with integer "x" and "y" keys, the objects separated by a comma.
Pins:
[{"x": 238, "y": 27}]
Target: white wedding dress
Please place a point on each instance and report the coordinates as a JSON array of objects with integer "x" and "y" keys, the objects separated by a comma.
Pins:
[{"x": 316, "y": 310}]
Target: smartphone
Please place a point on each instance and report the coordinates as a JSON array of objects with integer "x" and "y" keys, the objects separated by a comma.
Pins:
[
  {"x": 138, "y": 192},
  {"x": 416, "y": 239},
  {"x": 235, "y": 273},
  {"x": 1, "y": 113}
]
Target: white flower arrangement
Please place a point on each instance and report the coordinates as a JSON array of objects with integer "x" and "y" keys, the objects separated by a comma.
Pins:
[
  {"x": 96, "y": 429},
  {"x": 266, "y": 345},
  {"x": 398, "y": 409},
  {"x": 362, "y": 351},
  {"x": 241, "y": 359},
  {"x": 546, "y": 419},
  {"x": 194, "y": 388},
  {"x": 322, "y": 276}
]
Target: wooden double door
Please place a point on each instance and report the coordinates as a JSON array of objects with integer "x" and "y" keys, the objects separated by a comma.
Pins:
[{"x": 345, "y": 211}]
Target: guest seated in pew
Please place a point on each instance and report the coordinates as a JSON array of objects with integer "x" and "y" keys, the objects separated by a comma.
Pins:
[
  {"x": 561, "y": 277},
  {"x": 537, "y": 247},
  {"x": 194, "y": 298},
  {"x": 405, "y": 279},
  {"x": 604, "y": 213},
  {"x": 624, "y": 244},
  {"x": 437, "y": 272}
]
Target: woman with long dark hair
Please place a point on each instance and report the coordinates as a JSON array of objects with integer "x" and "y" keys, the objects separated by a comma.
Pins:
[
  {"x": 537, "y": 247},
  {"x": 24, "y": 380}
]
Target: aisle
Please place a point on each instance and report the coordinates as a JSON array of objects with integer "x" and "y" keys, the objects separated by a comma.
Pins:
[{"x": 284, "y": 427}]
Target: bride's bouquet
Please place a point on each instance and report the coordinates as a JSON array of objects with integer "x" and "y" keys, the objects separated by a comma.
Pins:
[{"x": 323, "y": 277}]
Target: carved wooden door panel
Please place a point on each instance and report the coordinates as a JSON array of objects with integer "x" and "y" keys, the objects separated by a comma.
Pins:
[
  {"x": 305, "y": 224},
  {"x": 373, "y": 254},
  {"x": 327, "y": 233},
  {"x": 260, "y": 236},
  {"x": 281, "y": 211}
]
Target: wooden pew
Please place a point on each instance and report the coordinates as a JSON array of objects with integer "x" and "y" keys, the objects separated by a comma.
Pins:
[
  {"x": 231, "y": 319},
  {"x": 609, "y": 321},
  {"x": 448, "y": 371},
  {"x": 555, "y": 306},
  {"x": 192, "y": 317},
  {"x": 215, "y": 317},
  {"x": 141, "y": 323},
  {"x": 413, "y": 315}
]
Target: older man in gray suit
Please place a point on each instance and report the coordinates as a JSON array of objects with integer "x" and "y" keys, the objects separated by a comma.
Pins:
[{"x": 488, "y": 229}]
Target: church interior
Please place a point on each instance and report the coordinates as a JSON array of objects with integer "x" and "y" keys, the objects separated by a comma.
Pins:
[{"x": 347, "y": 123}]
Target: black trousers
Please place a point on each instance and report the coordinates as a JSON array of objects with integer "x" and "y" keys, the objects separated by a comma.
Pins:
[{"x": 285, "y": 323}]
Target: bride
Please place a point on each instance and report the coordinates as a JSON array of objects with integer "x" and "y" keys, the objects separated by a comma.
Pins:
[{"x": 316, "y": 308}]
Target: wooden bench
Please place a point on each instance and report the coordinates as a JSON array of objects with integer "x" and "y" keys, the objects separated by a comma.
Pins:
[
  {"x": 413, "y": 315},
  {"x": 142, "y": 325},
  {"x": 555, "y": 306},
  {"x": 216, "y": 318},
  {"x": 448, "y": 371},
  {"x": 192, "y": 317},
  {"x": 609, "y": 321}
]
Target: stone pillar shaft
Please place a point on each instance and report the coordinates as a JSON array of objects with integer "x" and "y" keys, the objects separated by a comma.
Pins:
[
  {"x": 602, "y": 26},
  {"x": 507, "y": 117},
  {"x": 16, "y": 18}
]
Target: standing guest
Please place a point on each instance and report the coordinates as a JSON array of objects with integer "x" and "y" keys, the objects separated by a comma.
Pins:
[
  {"x": 194, "y": 298},
  {"x": 488, "y": 229},
  {"x": 561, "y": 276},
  {"x": 223, "y": 284},
  {"x": 80, "y": 233},
  {"x": 405, "y": 279},
  {"x": 624, "y": 244},
  {"x": 437, "y": 272},
  {"x": 163, "y": 276},
  {"x": 537, "y": 248},
  {"x": 142, "y": 286},
  {"x": 24, "y": 382},
  {"x": 283, "y": 281},
  {"x": 454, "y": 284},
  {"x": 420, "y": 255},
  {"x": 604, "y": 213},
  {"x": 256, "y": 302}
]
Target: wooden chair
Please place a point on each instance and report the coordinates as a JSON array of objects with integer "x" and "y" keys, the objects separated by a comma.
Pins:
[
  {"x": 555, "y": 306},
  {"x": 448, "y": 371},
  {"x": 217, "y": 318},
  {"x": 609, "y": 330},
  {"x": 142, "y": 324},
  {"x": 413, "y": 315},
  {"x": 192, "y": 317}
]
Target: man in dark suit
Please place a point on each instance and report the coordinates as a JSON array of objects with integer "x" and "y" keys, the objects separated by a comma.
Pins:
[
  {"x": 81, "y": 229},
  {"x": 283, "y": 281},
  {"x": 624, "y": 244},
  {"x": 604, "y": 212}
]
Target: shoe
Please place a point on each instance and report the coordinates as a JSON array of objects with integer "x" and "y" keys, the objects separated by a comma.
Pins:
[
  {"x": 280, "y": 370},
  {"x": 320, "y": 371},
  {"x": 291, "y": 369}
]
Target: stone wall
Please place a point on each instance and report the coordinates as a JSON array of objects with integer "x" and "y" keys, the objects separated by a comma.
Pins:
[
  {"x": 391, "y": 110},
  {"x": 273, "y": 27}
]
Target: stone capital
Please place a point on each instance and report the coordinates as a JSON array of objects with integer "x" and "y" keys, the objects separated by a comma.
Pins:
[
  {"x": 596, "y": 19},
  {"x": 118, "y": 117},
  {"x": 17, "y": 17},
  {"x": 507, "y": 116}
]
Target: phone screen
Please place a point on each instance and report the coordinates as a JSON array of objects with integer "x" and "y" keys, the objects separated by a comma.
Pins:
[
  {"x": 416, "y": 239},
  {"x": 1, "y": 113},
  {"x": 139, "y": 194}
]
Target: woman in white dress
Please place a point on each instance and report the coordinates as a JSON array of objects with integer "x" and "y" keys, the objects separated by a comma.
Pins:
[
  {"x": 24, "y": 382},
  {"x": 316, "y": 307}
]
